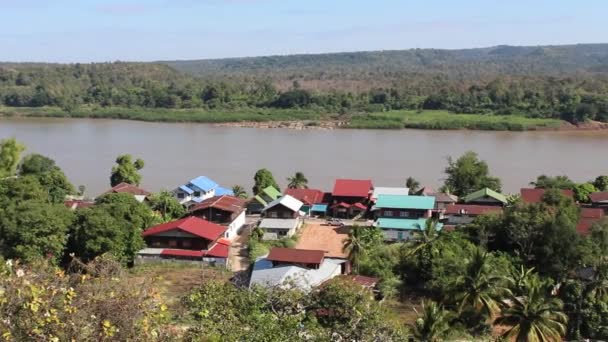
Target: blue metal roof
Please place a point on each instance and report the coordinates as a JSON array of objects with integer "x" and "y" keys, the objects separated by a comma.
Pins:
[
  {"x": 204, "y": 183},
  {"x": 319, "y": 207},
  {"x": 220, "y": 191},
  {"x": 186, "y": 189}
]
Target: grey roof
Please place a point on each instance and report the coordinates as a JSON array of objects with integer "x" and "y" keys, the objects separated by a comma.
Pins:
[
  {"x": 274, "y": 223},
  {"x": 264, "y": 274},
  {"x": 443, "y": 197},
  {"x": 385, "y": 190}
]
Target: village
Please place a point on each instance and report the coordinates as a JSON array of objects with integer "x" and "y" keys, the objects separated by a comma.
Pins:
[{"x": 219, "y": 226}]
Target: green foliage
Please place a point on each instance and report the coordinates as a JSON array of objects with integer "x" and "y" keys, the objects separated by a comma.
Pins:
[
  {"x": 240, "y": 192},
  {"x": 263, "y": 178},
  {"x": 601, "y": 183},
  {"x": 558, "y": 182},
  {"x": 412, "y": 184},
  {"x": 20, "y": 189},
  {"x": 468, "y": 174},
  {"x": 360, "y": 241},
  {"x": 432, "y": 324},
  {"x": 32, "y": 229},
  {"x": 10, "y": 153},
  {"x": 297, "y": 181},
  {"x": 126, "y": 171},
  {"x": 167, "y": 206},
  {"x": 582, "y": 191},
  {"x": 49, "y": 175}
]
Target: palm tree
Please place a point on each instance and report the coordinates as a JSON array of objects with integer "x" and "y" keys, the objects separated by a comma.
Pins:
[
  {"x": 239, "y": 191},
  {"x": 534, "y": 317},
  {"x": 354, "y": 245},
  {"x": 423, "y": 246},
  {"x": 479, "y": 289},
  {"x": 412, "y": 184},
  {"x": 298, "y": 181},
  {"x": 432, "y": 324}
]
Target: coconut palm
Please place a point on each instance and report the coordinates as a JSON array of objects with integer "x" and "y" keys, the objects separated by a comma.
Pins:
[
  {"x": 239, "y": 191},
  {"x": 535, "y": 317},
  {"x": 355, "y": 245},
  {"x": 423, "y": 246},
  {"x": 479, "y": 289},
  {"x": 412, "y": 184},
  {"x": 298, "y": 181},
  {"x": 432, "y": 324}
]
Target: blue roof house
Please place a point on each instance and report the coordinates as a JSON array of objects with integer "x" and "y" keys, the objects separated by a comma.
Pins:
[{"x": 198, "y": 190}]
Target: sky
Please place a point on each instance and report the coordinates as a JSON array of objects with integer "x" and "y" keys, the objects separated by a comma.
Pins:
[{"x": 138, "y": 30}]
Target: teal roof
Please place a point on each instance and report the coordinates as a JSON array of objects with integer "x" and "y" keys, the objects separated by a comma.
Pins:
[
  {"x": 405, "y": 224},
  {"x": 405, "y": 202},
  {"x": 486, "y": 193},
  {"x": 319, "y": 207}
]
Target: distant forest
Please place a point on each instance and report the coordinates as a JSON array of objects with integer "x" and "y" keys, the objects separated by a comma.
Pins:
[{"x": 565, "y": 82}]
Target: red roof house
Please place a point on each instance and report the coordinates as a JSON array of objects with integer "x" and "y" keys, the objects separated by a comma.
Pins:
[
  {"x": 599, "y": 199},
  {"x": 306, "y": 196},
  {"x": 139, "y": 193},
  {"x": 307, "y": 257},
  {"x": 359, "y": 188},
  {"x": 588, "y": 217},
  {"x": 191, "y": 225},
  {"x": 536, "y": 195}
]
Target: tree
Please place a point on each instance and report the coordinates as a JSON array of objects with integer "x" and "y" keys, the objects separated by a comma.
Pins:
[
  {"x": 126, "y": 171},
  {"x": 239, "y": 192},
  {"x": 558, "y": 182},
  {"x": 468, "y": 174},
  {"x": 422, "y": 246},
  {"x": 32, "y": 229},
  {"x": 10, "y": 152},
  {"x": 534, "y": 317},
  {"x": 479, "y": 289},
  {"x": 601, "y": 183},
  {"x": 263, "y": 178},
  {"x": 412, "y": 184},
  {"x": 582, "y": 191},
  {"x": 50, "y": 176},
  {"x": 297, "y": 181},
  {"x": 354, "y": 245},
  {"x": 433, "y": 324},
  {"x": 167, "y": 206}
]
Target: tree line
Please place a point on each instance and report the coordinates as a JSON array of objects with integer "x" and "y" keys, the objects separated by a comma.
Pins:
[{"x": 572, "y": 97}]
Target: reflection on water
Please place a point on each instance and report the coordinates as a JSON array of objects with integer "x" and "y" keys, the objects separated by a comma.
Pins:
[{"x": 174, "y": 153}]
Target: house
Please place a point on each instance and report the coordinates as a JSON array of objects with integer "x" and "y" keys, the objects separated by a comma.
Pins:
[
  {"x": 284, "y": 207},
  {"x": 588, "y": 217},
  {"x": 399, "y": 215},
  {"x": 385, "y": 190},
  {"x": 350, "y": 197},
  {"x": 275, "y": 228},
  {"x": 198, "y": 190},
  {"x": 190, "y": 239},
  {"x": 139, "y": 193},
  {"x": 309, "y": 197},
  {"x": 486, "y": 197},
  {"x": 460, "y": 214},
  {"x": 599, "y": 200},
  {"x": 262, "y": 199},
  {"x": 443, "y": 200},
  {"x": 298, "y": 268},
  {"x": 225, "y": 210},
  {"x": 536, "y": 195}
]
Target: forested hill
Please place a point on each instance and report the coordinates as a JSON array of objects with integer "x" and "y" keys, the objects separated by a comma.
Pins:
[{"x": 466, "y": 63}]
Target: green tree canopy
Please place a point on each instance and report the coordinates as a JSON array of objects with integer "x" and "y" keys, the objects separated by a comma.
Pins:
[
  {"x": 468, "y": 174},
  {"x": 167, "y": 206},
  {"x": 263, "y": 178},
  {"x": 126, "y": 170},
  {"x": 297, "y": 181},
  {"x": 239, "y": 192},
  {"x": 412, "y": 184},
  {"x": 50, "y": 176},
  {"x": 601, "y": 183},
  {"x": 10, "y": 153},
  {"x": 557, "y": 182},
  {"x": 582, "y": 191}
]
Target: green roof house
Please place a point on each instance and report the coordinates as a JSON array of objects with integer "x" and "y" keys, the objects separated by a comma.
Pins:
[
  {"x": 261, "y": 200},
  {"x": 486, "y": 197},
  {"x": 399, "y": 215}
]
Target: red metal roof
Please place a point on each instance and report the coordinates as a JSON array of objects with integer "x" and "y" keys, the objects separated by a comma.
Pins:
[
  {"x": 306, "y": 196},
  {"x": 225, "y": 202},
  {"x": 299, "y": 256},
  {"x": 360, "y": 206},
  {"x": 352, "y": 187},
  {"x": 341, "y": 204},
  {"x": 592, "y": 213},
  {"x": 192, "y": 225},
  {"x": 128, "y": 188},
  {"x": 471, "y": 209},
  {"x": 536, "y": 195},
  {"x": 599, "y": 196},
  {"x": 364, "y": 281},
  {"x": 588, "y": 217},
  {"x": 218, "y": 250},
  {"x": 182, "y": 253}
]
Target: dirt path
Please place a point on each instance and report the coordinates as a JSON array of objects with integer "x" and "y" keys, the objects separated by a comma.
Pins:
[{"x": 238, "y": 256}]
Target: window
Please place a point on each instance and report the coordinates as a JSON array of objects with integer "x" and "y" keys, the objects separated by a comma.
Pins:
[
  {"x": 399, "y": 235},
  {"x": 197, "y": 194},
  {"x": 404, "y": 214},
  {"x": 273, "y": 214},
  {"x": 388, "y": 213},
  {"x": 287, "y": 215},
  {"x": 180, "y": 195},
  {"x": 186, "y": 243},
  {"x": 282, "y": 232}
]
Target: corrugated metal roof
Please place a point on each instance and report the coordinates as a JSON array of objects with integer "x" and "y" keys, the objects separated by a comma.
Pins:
[
  {"x": 385, "y": 190},
  {"x": 598, "y": 197},
  {"x": 272, "y": 192},
  {"x": 536, "y": 195},
  {"x": 186, "y": 189},
  {"x": 227, "y": 203},
  {"x": 204, "y": 183},
  {"x": 273, "y": 223},
  {"x": 264, "y": 274},
  {"x": 297, "y": 256},
  {"x": 220, "y": 191},
  {"x": 286, "y": 201},
  {"x": 319, "y": 208},
  {"x": 405, "y": 202},
  {"x": 192, "y": 225},
  {"x": 306, "y": 196},
  {"x": 352, "y": 187},
  {"x": 405, "y": 224},
  {"x": 128, "y": 188},
  {"x": 486, "y": 193}
]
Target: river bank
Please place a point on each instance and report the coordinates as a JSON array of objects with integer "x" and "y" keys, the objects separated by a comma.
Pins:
[{"x": 299, "y": 119}]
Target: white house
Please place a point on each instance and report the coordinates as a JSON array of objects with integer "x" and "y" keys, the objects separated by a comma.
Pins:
[{"x": 198, "y": 190}]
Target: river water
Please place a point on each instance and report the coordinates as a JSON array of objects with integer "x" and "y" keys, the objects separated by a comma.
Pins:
[{"x": 176, "y": 152}]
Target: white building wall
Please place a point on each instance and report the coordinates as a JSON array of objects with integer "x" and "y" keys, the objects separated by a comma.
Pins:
[{"x": 235, "y": 226}]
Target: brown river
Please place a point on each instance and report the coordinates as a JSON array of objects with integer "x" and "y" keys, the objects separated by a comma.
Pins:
[{"x": 176, "y": 152}]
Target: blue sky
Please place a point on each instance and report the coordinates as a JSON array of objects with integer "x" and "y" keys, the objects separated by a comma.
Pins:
[{"x": 138, "y": 30}]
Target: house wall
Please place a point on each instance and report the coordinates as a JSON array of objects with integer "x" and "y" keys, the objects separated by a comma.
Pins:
[
  {"x": 397, "y": 213},
  {"x": 146, "y": 259},
  {"x": 175, "y": 242},
  {"x": 214, "y": 215},
  {"x": 459, "y": 219},
  {"x": 486, "y": 201},
  {"x": 280, "y": 211},
  {"x": 396, "y": 234},
  {"x": 235, "y": 226},
  {"x": 349, "y": 199},
  {"x": 281, "y": 233}
]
